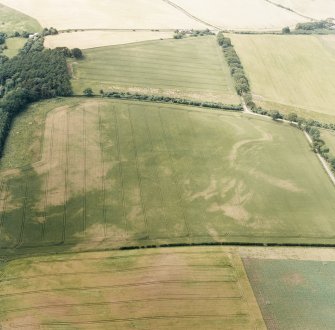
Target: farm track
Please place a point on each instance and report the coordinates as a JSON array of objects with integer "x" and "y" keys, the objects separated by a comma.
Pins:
[
  {"x": 290, "y": 10},
  {"x": 190, "y": 15}
]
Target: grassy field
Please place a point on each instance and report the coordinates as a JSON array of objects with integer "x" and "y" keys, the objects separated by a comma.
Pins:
[
  {"x": 92, "y": 39},
  {"x": 12, "y": 20},
  {"x": 290, "y": 73},
  {"x": 240, "y": 14},
  {"x": 193, "y": 68},
  {"x": 113, "y": 173},
  {"x": 319, "y": 9},
  {"x": 294, "y": 294},
  {"x": 329, "y": 138},
  {"x": 14, "y": 45},
  {"x": 101, "y": 14},
  {"x": 151, "y": 289}
]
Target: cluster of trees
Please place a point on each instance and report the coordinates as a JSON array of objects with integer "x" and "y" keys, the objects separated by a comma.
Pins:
[
  {"x": 180, "y": 34},
  {"x": 32, "y": 75},
  {"x": 164, "y": 99},
  {"x": 33, "y": 45},
  {"x": 75, "y": 52},
  {"x": 48, "y": 32},
  {"x": 310, "y": 126},
  {"x": 236, "y": 68},
  {"x": 317, "y": 25},
  {"x": 319, "y": 145},
  {"x": 3, "y": 37}
]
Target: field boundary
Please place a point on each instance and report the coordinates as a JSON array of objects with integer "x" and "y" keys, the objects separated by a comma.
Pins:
[
  {"x": 166, "y": 100},
  {"x": 290, "y": 10},
  {"x": 184, "y": 11}
]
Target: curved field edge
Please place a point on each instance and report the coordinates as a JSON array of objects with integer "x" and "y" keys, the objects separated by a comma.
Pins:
[
  {"x": 174, "y": 288},
  {"x": 13, "y": 20},
  {"x": 113, "y": 174}
]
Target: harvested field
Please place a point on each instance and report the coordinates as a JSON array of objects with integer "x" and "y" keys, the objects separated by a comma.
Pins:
[
  {"x": 92, "y": 39},
  {"x": 317, "y": 9},
  {"x": 12, "y": 20},
  {"x": 102, "y": 14},
  {"x": 115, "y": 173},
  {"x": 290, "y": 73},
  {"x": 294, "y": 294},
  {"x": 152, "y": 289},
  {"x": 192, "y": 68},
  {"x": 240, "y": 14}
]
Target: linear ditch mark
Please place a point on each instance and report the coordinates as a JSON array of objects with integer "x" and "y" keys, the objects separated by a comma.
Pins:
[
  {"x": 84, "y": 200},
  {"x": 24, "y": 210},
  {"x": 4, "y": 191},
  {"x": 175, "y": 176},
  {"x": 46, "y": 189},
  {"x": 290, "y": 10},
  {"x": 155, "y": 171},
  {"x": 116, "y": 286},
  {"x": 192, "y": 267},
  {"x": 139, "y": 177},
  {"x": 184, "y": 11},
  {"x": 138, "y": 319},
  {"x": 66, "y": 177},
  {"x": 103, "y": 186},
  {"x": 119, "y": 302},
  {"x": 117, "y": 138}
]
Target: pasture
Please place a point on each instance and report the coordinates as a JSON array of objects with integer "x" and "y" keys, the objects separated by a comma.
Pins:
[
  {"x": 240, "y": 14},
  {"x": 12, "y": 20},
  {"x": 93, "y": 39},
  {"x": 319, "y": 9},
  {"x": 14, "y": 45},
  {"x": 192, "y": 68},
  {"x": 114, "y": 173},
  {"x": 294, "y": 294},
  {"x": 151, "y": 289},
  {"x": 329, "y": 138},
  {"x": 101, "y": 14},
  {"x": 290, "y": 73}
]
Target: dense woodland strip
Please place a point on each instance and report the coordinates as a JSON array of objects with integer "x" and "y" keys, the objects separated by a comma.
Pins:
[
  {"x": 32, "y": 75},
  {"x": 164, "y": 99}
]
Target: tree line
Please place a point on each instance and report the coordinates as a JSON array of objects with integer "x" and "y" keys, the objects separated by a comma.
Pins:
[
  {"x": 163, "y": 99},
  {"x": 236, "y": 68},
  {"x": 32, "y": 75}
]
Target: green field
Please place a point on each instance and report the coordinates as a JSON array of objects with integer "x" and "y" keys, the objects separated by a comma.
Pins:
[
  {"x": 14, "y": 45},
  {"x": 115, "y": 173},
  {"x": 294, "y": 294},
  {"x": 191, "y": 68},
  {"x": 329, "y": 138},
  {"x": 290, "y": 73},
  {"x": 12, "y": 20},
  {"x": 198, "y": 288}
]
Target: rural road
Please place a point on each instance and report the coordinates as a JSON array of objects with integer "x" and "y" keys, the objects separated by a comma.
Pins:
[{"x": 309, "y": 139}]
